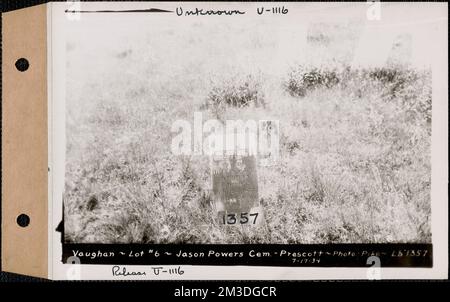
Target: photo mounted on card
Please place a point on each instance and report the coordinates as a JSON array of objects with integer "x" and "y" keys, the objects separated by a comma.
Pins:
[{"x": 247, "y": 140}]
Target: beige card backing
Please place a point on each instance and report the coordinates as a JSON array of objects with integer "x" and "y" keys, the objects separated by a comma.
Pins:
[{"x": 24, "y": 142}]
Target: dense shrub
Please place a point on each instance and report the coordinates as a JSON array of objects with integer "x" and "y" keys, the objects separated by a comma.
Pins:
[
  {"x": 394, "y": 79},
  {"x": 236, "y": 92},
  {"x": 303, "y": 79}
]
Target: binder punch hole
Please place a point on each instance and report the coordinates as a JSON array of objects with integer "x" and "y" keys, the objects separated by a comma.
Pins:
[
  {"x": 22, "y": 64},
  {"x": 23, "y": 220}
]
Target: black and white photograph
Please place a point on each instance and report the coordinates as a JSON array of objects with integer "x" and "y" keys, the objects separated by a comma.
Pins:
[
  {"x": 297, "y": 124},
  {"x": 353, "y": 162}
]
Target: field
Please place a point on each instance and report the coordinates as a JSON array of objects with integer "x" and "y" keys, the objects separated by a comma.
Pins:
[{"x": 355, "y": 143}]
